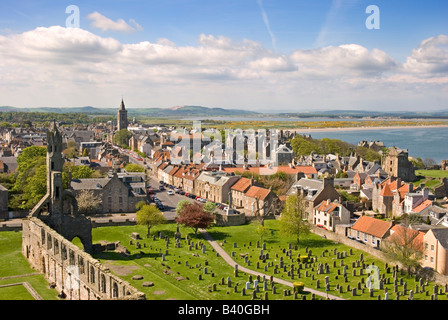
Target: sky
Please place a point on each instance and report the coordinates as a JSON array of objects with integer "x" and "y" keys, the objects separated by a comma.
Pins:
[{"x": 259, "y": 55}]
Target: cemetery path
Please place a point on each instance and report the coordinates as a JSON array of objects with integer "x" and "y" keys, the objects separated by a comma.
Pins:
[{"x": 241, "y": 268}]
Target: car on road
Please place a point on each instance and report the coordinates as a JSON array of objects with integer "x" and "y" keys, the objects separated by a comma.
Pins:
[
  {"x": 170, "y": 192},
  {"x": 161, "y": 187}
]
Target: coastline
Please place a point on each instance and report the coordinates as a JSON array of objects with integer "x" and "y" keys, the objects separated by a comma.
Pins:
[{"x": 307, "y": 130}]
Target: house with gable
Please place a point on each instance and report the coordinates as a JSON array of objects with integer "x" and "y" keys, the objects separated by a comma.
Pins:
[
  {"x": 328, "y": 214},
  {"x": 313, "y": 192},
  {"x": 436, "y": 250},
  {"x": 260, "y": 201},
  {"x": 370, "y": 231}
]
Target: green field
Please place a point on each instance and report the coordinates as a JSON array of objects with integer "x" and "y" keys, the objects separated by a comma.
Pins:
[
  {"x": 14, "y": 268},
  {"x": 430, "y": 178},
  {"x": 237, "y": 241}
]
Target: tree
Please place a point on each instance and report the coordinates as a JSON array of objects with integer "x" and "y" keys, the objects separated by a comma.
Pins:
[
  {"x": 429, "y": 162},
  {"x": 180, "y": 206},
  {"x": 405, "y": 246},
  {"x": 87, "y": 201},
  {"x": 262, "y": 231},
  {"x": 292, "y": 220},
  {"x": 209, "y": 207},
  {"x": 121, "y": 137},
  {"x": 149, "y": 215},
  {"x": 133, "y": 167},
  {"x": 140, "y": 205},
  {"x": 194, "y": 216},
  {"x": 31, "y": 176}
]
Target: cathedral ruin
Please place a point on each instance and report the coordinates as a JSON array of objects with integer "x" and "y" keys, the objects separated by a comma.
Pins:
[{"x": 47, "y": 235}]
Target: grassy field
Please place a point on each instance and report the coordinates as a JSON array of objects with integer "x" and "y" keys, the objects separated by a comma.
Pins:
[
  {"x": 14, "y": 268},
  {"x": 431, "y": 178},
  {"x": 176, "y": 275}
]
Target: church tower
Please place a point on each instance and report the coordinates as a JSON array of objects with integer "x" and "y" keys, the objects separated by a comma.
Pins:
[
  {"x": 55, "y": 162},
  {"x": 122, "y": 121}
]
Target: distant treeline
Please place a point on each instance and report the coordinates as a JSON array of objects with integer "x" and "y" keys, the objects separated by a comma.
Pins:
[{"x": 27, "y": 119}]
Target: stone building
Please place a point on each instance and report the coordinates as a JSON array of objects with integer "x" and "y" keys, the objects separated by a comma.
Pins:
[
  {"x": 329, "y": 214},
  {"x": 435, "y": 243},
  {"x": 122, "y": 120},
  {"x": 396, "y": 164},
  {"x": 119, "y": 192},
  {"x": 214, "y": 186},
  {"x": 313, "y": 193}
]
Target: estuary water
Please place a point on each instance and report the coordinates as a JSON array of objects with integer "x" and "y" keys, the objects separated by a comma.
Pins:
[{"x": 424, "y": 142}]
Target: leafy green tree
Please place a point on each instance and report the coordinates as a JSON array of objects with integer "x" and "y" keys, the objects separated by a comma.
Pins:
[
  {"x": 133, "y": 167},
  {"x": 209, "y": 207},
  {"x": 302, "y": 146},
  {"x": 149, "y": 215},
  {"x": 121, "y": 137},
  {"x": 81, "y": 172},
  {"x": 140, "y": 205},
  {"x": 181, "y": 205},
  {"x": 263, "y": 231},
  {"x": 31, "y": 176},
  {"x": 292, "y": 221}
]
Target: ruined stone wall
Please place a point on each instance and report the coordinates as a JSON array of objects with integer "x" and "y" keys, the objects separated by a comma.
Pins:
[{"x": 68, "y": 268}]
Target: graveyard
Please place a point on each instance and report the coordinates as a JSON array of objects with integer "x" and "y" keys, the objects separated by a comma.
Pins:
[
  {"x": 164, "y": 267},
  {"x": 170, "y": 266}
]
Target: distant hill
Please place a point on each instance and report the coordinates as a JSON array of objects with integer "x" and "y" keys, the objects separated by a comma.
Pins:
[
  {"x": 153, "y": 112},
  {"x": 198, "y": 111}
]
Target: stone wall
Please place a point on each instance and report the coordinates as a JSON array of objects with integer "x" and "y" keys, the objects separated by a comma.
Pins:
[
  {"x": 74, "y": 273},
  {"x": 340, "y": 236},
  {"x": 230, "y": 220}
]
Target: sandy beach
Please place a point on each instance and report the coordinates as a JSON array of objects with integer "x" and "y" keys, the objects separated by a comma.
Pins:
[{"x": 308, "y": 130}]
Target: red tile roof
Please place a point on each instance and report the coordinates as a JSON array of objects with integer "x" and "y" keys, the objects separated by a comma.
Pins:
[
  {"x": 422, "y": 206},
  {"x": 268, "y": 171},
  {"x": 257, "y": 192},
  {"x": 372, "y": 226},
  {"x": 241, "y": 185},
  {"x": 406, "y": 236},
  {"x": 327, "y": 207}
]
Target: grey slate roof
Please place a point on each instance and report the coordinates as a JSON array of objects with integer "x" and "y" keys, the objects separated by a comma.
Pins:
[{"x": 441, "y": 235}]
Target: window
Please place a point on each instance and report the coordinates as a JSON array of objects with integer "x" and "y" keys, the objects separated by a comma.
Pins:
[
  {"x": 432, "y": 247},
  {"x": 357, "y": 235},
  {"x": 426, "y": 257},
  {"x": 432, "y": 259}
]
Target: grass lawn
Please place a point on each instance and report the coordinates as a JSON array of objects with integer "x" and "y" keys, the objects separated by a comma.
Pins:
[
  {"x": 430, "y": 178},
  {"x": 432, "y": 173},
  {"x": 14, "y": 268},
  {"x": 147, "y": 262},
  {"x": 276, "y": 244},
  {"x": 188, "y": 261}
]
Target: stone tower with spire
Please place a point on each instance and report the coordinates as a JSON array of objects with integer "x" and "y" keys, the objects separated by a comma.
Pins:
[
  {"x": 59, "y": 207},
  {"x": 122, "y": 121}
]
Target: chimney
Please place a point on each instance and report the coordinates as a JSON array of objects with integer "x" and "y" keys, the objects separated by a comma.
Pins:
[{"x": 328, "y": 201}]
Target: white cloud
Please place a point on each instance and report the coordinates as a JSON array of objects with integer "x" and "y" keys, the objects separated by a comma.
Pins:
[
  {"x": 101, "y": 22},
  {"x": 70, "y": 66},
  {"x": 430, "y": 58}
]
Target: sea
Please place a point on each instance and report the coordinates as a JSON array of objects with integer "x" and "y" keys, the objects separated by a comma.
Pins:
[{"x": 424, "y": 142}]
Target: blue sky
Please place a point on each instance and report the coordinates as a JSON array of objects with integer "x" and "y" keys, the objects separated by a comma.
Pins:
[{"x": 273, "y": 39}]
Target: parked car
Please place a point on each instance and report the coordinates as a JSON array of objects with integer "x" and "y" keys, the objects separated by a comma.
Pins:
[
  {"x": 162, "y": 187},
  {"x": 170, "y": 192}
]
